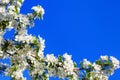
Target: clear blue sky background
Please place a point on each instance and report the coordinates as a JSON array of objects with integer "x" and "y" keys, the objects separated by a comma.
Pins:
[{"x": 83, "y": 28}]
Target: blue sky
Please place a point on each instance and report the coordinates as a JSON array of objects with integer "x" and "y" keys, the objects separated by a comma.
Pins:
[{"x": 83, "y": 28}]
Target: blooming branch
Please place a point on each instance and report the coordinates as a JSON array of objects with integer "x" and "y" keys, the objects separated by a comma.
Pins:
[{"x": 26, "y": 52}]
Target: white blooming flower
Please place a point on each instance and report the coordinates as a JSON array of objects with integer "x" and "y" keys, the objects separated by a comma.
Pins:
[
  {"x": 13, "y": 10},
  {"x": 67, "y": 57},
  {"x": 30, "y": 56},
  {"x": 10, "y": 26},
  {"x": 61, "y": 73},
  {"x": 115, "y": 62},
  {"x": 19, "y": 4},
  {"x": 4, "y": 1},
  {"x": 11, "y": 7},
  {"x": 97, "y": 67},
  {"x": 104, "y": 57},
  {"x": 68, "y": 64},
  {"x": 39, "y": 10},
  {"x": 86, "y": 63},
  {"x": 23, "y": 38},
  {"x": 24, "y": 20},
  {"x": 75, "y": 76},
  {"x": 23, "y": 32},
  {"x": 51, "y": 58},
  {"x": 2, "y": 9},
  {"x": 42, "y": 43},
  {"x": 18, "y": 75}
]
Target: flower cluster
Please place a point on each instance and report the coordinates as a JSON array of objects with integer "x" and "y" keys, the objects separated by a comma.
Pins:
[
  {"x": 101, "y": 69},
  {"x": 26, "y": 52}
]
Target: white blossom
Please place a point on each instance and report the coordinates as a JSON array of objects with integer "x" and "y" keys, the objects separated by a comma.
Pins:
[
  {"x": 12, "y": 24},
  {"x": 38, "y": 9},
  {"x": 2, "y": 9},
  {"x": 68, "y": 64},
  {"x": 24, "y": 20},
  {"x": 19, "y": 4},
  {"x": 18, "y": 75},
  {"x": 11, "y": 8},
  {"x": 97, "y": 67},
  {"x": 115, "y": 62},
  {"x": 67, "y": 57},
  {"x": 26, "y": 52},
  {"x": 86, "y": 63},
  {"x": 42, "y": 43},
  {"x": 23, "y": 38},
  {"x": 104, "y": 57},
  {"x": 4, "y": 1},
  {"x": 51, "y": 58}
]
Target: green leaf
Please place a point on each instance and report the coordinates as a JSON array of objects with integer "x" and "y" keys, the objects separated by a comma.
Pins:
[
  {"x": 60, "y": 58},
  {"x": 20, "y": 1},
  {"x": 16, "y": 10},
  {"x": 75, "y": 64},
  {"x": 98, "y": 62}
]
